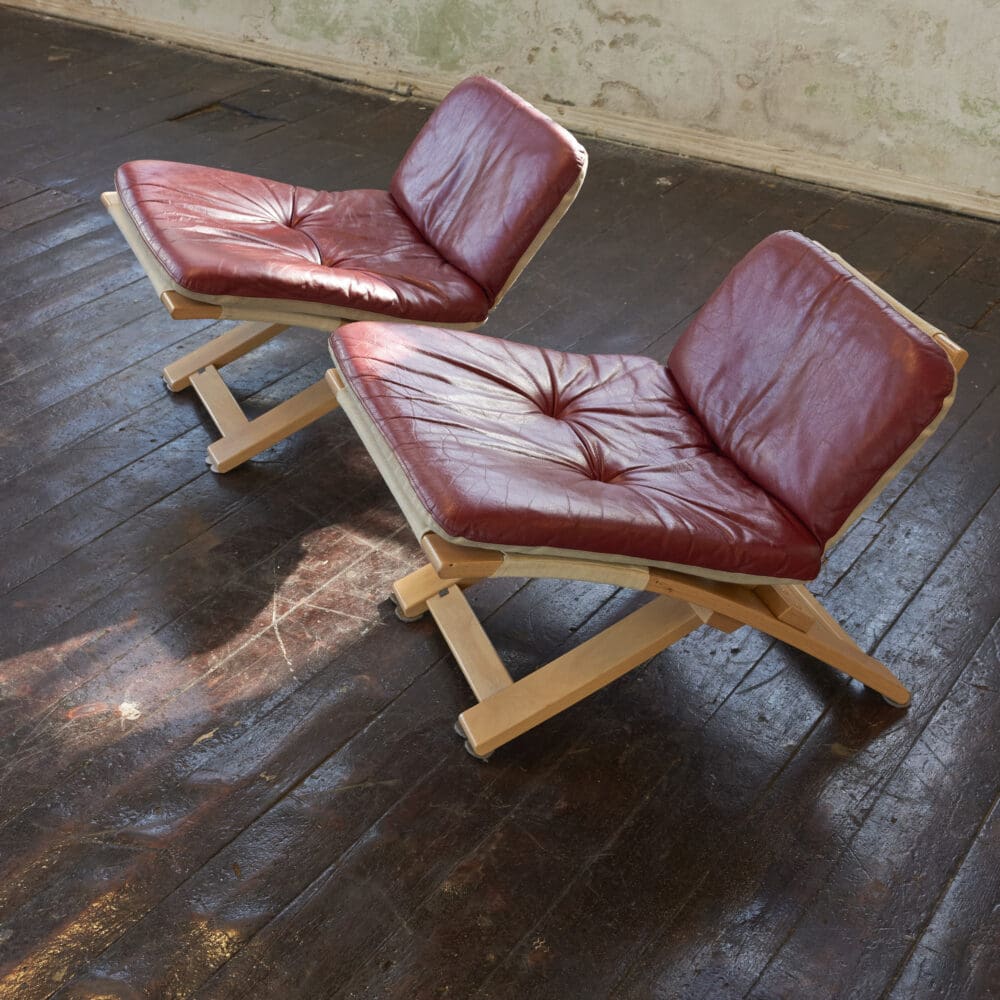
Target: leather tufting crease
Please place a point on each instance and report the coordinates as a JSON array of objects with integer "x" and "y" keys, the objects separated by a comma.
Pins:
[
  {"x": 216, "y": 232},
  {"x": 630, "y": 473}
]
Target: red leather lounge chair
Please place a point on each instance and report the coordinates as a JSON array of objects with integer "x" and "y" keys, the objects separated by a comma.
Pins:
[
  {"x": 478, "y": 192},
  {"x": 717, "y": 482}
]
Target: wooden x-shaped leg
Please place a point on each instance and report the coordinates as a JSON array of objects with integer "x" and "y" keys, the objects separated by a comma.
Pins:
[
  {"x": 508, "y": 708},
  {"x": 242, "y": 438}
]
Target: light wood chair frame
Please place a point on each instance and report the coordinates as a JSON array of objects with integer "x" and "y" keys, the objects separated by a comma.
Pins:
[
  {"x": 507, "y": 708},
  {"x": 262, "y": 320}
]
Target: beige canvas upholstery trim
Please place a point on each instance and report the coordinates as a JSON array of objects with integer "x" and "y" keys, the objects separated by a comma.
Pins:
[{"x": 544, "y": 233}]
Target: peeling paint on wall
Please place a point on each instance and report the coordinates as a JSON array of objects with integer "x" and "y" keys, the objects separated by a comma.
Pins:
[
  {"x": 907, "y": 85},
  {"x": 443, "y": 34}
]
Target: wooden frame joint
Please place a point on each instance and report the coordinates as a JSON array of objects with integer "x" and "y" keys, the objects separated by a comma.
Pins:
[
  {"x": 507, "y": 708},
  {"x": 240, "y": 442},
  {"x": 216, "y": 353},
  {"x": 181, "y": 307},
  {"x": 785, "y": 602},
  {"x": 515, "y": 708},
  {"x": 455, "y": 561}
]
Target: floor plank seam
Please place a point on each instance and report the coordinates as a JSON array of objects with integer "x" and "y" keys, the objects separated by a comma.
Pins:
[
  {"x": 942, "y": 894},
  {"x": 864, "y": 815},
  {"x": 199, "y": 418}
]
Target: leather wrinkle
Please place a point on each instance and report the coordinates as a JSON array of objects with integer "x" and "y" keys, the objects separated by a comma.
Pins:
[
  {"x": 476, "y": 186},
  {"x": 790, "y": 390},
  {"x": 582, "y": 470},
  {"x": 842, "y": 377},
  {"x": 292, "y": 235}
]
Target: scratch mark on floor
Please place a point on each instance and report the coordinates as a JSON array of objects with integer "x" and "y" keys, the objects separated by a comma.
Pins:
[{"x": 274, "y": 621}]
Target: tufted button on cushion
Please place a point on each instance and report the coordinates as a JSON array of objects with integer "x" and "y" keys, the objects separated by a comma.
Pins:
[
  {"x": 217, "y": 232},
  {"x": 508, "y": 444}
]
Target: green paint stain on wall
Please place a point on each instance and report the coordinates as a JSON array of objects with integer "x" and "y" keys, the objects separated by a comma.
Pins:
[
  {"x": 979, "y": 107},
  {"x": 885, "y": 113},
  {"x": 309, "y": 19},
  {"x": 812, "y": 90},
  {"x": 445, "y": 34}
]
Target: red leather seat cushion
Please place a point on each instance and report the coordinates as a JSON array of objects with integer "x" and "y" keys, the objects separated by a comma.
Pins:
[
  {"x": 507, "y": 444},
  {"x": 808, "y": 380},
  {"x": 217, "y": 232},
  {"x": 483, "y": 176}
]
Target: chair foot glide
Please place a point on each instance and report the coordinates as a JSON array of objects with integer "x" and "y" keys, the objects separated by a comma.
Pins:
[
  {"x": 411, "y": 593},
  {"x": 398, "y": 611},
  {"x": 484, "y": 757},
  {"x": 896, "y": 704}
]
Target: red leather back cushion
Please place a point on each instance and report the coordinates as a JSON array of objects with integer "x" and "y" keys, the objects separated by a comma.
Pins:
[
  {"x": 807, "y": 379},
  {"x": 483, "y": 176}
]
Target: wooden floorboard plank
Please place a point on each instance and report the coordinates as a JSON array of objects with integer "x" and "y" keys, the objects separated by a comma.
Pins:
[
  {"x": 944, "y": 772},
  {"x": 374, "y": 881},
  {"x": 947, "y": 250},
  {"x": 168, "y": 88},
  {"x": 984, "y": 263},
  {"x": 36, "y": 208},
  {"x": 15, "y": 247},
  {"x": 13, "y": 190},
  {"x": 55, "y": 55},
  {"x": 848, "y": 221},
  {"x": 960, "y": 299},
  {"x": 129, "y": 426},
  {"x": 86, "y": 218},
  {"x": 877, "y": 250},
  {"x": 76, "y": 580},
  {"x": 256, "y": 751},
  {"x": 74, "y": 263},
  {"x": 509, "y": 878},
  {"x": 958, "y": 954},
  {"x": 95, "y": 409},
  {"x": 83, "y": 286},
  {"x": 132, "y": 349},
  {"x": 308, "y": 844},
  {"x": 115, "y": 86},
  {"x": 173, "y": 606},
  {"x": 29, "y": 349},
  {"x": 204, "y": 719}
]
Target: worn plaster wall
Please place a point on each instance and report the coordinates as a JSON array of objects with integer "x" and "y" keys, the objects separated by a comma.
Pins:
[{"x": 849, "y": 89}]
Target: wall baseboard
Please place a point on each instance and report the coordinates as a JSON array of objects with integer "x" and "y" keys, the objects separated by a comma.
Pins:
[{"x": 795, "y": 164}]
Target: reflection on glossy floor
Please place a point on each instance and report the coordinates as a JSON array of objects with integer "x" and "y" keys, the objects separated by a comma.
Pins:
[{"x": 227, "y": 769}]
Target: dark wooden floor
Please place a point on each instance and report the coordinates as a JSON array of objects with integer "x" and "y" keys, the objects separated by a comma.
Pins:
[{"x": 228, "y": 771}]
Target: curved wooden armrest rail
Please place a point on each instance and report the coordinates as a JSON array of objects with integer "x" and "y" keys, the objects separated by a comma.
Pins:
[{"x": 508, "y": 708}]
